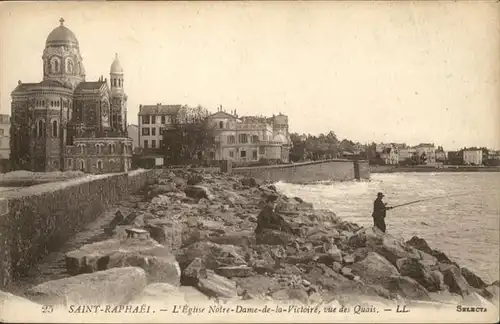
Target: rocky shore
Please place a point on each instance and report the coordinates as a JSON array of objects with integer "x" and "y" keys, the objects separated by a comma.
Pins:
[{"x": 206, "y": 237}]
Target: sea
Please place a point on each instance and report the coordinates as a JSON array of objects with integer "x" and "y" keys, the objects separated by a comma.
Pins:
[{"x": 459, "y": 214}]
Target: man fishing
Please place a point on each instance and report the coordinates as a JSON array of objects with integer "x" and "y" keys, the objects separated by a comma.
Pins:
[{"x": 379, "y": 209}]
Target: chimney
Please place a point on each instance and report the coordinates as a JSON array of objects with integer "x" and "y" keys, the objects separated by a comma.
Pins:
[{"x": 19, "y": 82}]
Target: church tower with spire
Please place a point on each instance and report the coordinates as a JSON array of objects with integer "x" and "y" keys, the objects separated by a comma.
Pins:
[{"x": 118, "y": 98}]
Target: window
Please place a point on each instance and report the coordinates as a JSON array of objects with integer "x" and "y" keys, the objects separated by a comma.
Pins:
[
  {"x": 221, "y": 124},
  {"x": 54, "y": 128},
  {"x": 254, "y": 155},
  {"x": 70, "y": 163},
  {"x": 255, "y": 138},
  {"x": 163, "y": 119},
  {"x": 231, "y": 139},
  {"x": 111, "y": 148},
  {"x": 145, "y": 119},
  {"x": 99, "y": 164},
  {"x": 161, "y": 131},
  {"x": 145, "y": 131},
  {"x": 1, "y": 132},
  {"x": 262, "y": 150},
  {"x": 243, "y": 138},
  {"x": 153, "y": 144},
  {"x": 145, "y": 144},
  {"x": 161, "y": 143},
  {"x": 243, "y": 154},
  {"x": 82, "y": 148},
  {"x": 82, "y": 165},
  {"x": 98, "y": 148},
  {"x": 231, "y": 154},
  {"x": 153, "y": 131}
]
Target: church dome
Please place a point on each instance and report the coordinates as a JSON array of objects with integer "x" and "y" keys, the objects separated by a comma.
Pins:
[
  {"x": 116, "y": 67},
  {"x": 61, "y": 36}
]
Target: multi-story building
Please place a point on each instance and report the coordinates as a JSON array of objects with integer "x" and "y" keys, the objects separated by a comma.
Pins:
[
  {"x": 153, "y": 119},
  {"x": 390, "y": 155},
  {"x": 428, "y": 151},
  {"x": 407, "y": 153},
  {"x": 473, "y": 156},
  {"x": 65, "y": 122},
  {"x": 4, "y": 136},
  {"x": 250, "y": 139}
]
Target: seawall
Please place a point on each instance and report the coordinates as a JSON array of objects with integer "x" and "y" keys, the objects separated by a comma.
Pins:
[
  {"x": 423, "y": 168},
  {"x": 299, "y": 173},
  {"x": 38, "y": 219}
]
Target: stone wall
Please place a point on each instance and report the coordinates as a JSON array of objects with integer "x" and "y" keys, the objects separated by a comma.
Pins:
[
  {"x": 37, "y": 220},
  {"x": 326, "y": 170}
]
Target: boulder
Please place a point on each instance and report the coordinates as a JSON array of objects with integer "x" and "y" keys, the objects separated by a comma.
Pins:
[
  {"x": 154, "y": 258},
  {"x": 194, "y": 179},
  {"x": 235, "y": 271},
  {"x": 11, "y": 304},
  {"x": 273, "y": 237},
  {"x": 119, "y": 218},
  {"x": 250, "y": 182},
  {"x": 198, "y": 192},
  {"x": 407, "y": 288},
  {"x": 421, "y": 244},
  {"x": 213, "y": 255},
  {"x": 194, "y": 271},
  {"x": 237, "y": 238},
  {"x": 365, "y": 236},
  {"x": 159, "y": 189},
  {"x": 455, "y": 280},
  {"x": 268, "y": 219},
  {"x": 113, "y": 286},
  {"x": 472, "y": 279},
  {"x": 291, "y": 294},
  {"x": 159, "y": 293},
  {"x": 392, "y": 249},
  {"x": 374, "y": 268},
  {"x": 414, "y": 269},
  {"x": 214, "y": 285},
  {"x": 165, "y": 232}
]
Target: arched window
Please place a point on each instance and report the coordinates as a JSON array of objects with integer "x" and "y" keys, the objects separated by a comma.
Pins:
[
  {"x": 82, "y": 165},
  {"x": 111, "y": 148},
  {"x": 40, "y": 128},
  {"x": 99, "y": 164},
  {"x": 55, "y": 129}
]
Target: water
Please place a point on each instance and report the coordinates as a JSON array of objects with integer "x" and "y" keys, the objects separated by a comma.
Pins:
[{"x": 466, "y": 228}]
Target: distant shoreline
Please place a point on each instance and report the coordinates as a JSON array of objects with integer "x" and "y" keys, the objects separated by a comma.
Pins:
[{"x": 452, "y": 168}]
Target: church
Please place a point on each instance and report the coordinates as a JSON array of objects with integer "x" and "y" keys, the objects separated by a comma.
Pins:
[{"x": 66, "y": 123}]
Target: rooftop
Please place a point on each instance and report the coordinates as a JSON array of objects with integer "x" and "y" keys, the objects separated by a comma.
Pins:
[{"x": 158, "y": 109}]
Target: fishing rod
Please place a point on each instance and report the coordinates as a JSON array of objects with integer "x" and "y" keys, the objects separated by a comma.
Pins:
[{"x": 427, "y": 199}]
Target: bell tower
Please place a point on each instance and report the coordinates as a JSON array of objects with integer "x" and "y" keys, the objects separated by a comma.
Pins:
[{"x": 118, "y": 113}]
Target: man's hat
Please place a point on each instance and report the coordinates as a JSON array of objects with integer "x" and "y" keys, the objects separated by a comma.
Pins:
[{"x": 380, "y": 194}]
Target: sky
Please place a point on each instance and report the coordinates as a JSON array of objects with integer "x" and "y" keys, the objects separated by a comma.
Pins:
[{"x": 404, "y": 71}]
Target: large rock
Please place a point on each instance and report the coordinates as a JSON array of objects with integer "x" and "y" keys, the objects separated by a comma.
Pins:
[
  {"x": 273, "y": 237},
  {"x": 268, "y": 219},
  {"x": 237, "y": 238},
  {"x": 472, "y": 279},
  {"x": 392, "y": 249},
  {"x": 366, "y": 237},
  {"x": 165, "y": 232},
  {"x": 11, "y": 304},
  {"x": 154, "y": 258},
  {"x": 213, "y": 255},
  {"x": 159, "y": 293},
  {"x": 291, "y": 294},
  {"x": 455, "y": 280},
  {"x": 374, "y": 268},
  {"x": 414, "y": 269},
  {"x": 113, "y": 286},
  {"x": 421, "y": 244},
  {"x": 198, "y": 192},
  {"x": 407, "y": 287},
  {"x": 159, "y": 189},
  {"x": 214, "y": 285}
]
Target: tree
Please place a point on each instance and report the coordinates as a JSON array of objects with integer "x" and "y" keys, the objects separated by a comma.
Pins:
[{"x": 190, "y": 136}]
